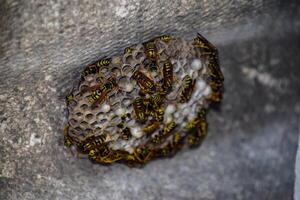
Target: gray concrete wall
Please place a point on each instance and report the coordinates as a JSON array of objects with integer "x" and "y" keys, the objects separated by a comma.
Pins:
[
  {"x": 297, "y": 169},
  {"x": 252, "y": 142}
]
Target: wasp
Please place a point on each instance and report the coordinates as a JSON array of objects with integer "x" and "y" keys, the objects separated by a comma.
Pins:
[
  {"x": 103, "y": 62},
  {"x": 211, "y": 53},
  {"x": 214, "y": 69},
  {"x": 158, "y": 114},
  {"x": 145, "y": 83},
  {"x": 190, "y": 125},
  {"x": 199, "y": 124},
  {"x": 172, "y": 146},
  {"x": 96, "y": 141},
  {"x": 94, "y": 68},
  {"x": 91, "y": 69},
  {"x": 167, "y": 72},
  {"x": 107, "y": 160},
  {"x": 68, "y": 142},
  {"x": 176, "y": 141},
  {"x": 193, "y": 140},
  {"x": 196, "y": 130},
  {"x": 186, "y": 89},
  {"x": 150, "y": 128},
  {"x": 143, "y": 154},
  {"x": 126, "y": 133},
  {"x": 167, "y": 130},
  {"x": 157, "y": 99},
  {"x": 100, "y": 94},
  {"x": 150, "y": 50},
  {"x": 165, "y": 38},
  {"x": 92, "y": 153},
  {"x": 109, "y": 85},
  {"x": 69, "y": 98},
  {"x": 128, "y": 50},
  {"x": 110, "y": 158},
  {"x": 140, "y": 109},
  {"x": 101, "y": 151},
  {"x": 118, "y": 155}
]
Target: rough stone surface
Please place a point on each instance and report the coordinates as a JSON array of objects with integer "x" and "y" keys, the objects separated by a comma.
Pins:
[{"x": 250, "y": 149}]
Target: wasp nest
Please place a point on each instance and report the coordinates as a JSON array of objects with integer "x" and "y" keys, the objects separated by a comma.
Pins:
[{"x": 146, "y": 103}]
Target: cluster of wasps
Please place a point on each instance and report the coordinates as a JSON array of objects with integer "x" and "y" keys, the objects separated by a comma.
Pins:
[
  {"x": 149, "y": 107},
  {"x": 214, "y": 77}
]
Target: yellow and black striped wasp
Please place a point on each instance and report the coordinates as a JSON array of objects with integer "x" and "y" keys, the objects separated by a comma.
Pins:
[
  {"x": 158, "y": 114},
  {"x": 69, "y": 98},
  {"x": 168, "y": 77},
  {"x": 186, "y": 89},
  {"x": 126, "y": 133},
  {"x": 176, "y": 142},
  {"x": 214, "y": 70},
  {"x": 115, "y": 155},
  {"x": 173, "y": 146},
  {"x": 167, "y": 130},
  {"x": 145, "y": 83},
  {"x": 216, "y": 86},
  {"x": 97, "y": 153},
  {"x": 94, "y": 141},
  {"x": 94, "y": 68},
  {"x": 196, "y": 129},
  {"x": 128, "y": 50},
  {"x": 91, "y": 69},
  {"x": 143, "y": 154},
  {"x": 100, "y": 94},
  {"x": 140, "y": 109},
  {"x": 104, "y": 62},
  {"x": 210, "y": 53},
  {"x": 151, "y": 128},
  {"x": 157, "y": 99},
  {"x": 152, "y": 57},
  {"x": 165, "y": 38},
  {"x": 201, "y": 43},
  {"x": 151, "y": 50}
]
